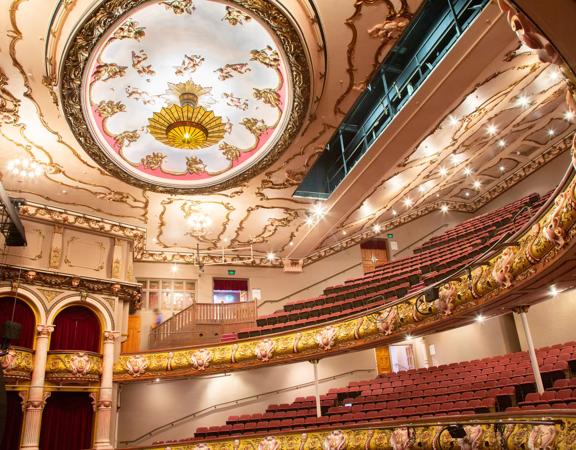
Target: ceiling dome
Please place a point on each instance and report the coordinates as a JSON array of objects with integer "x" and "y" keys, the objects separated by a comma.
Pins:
[{"x": 185, "y": 96}]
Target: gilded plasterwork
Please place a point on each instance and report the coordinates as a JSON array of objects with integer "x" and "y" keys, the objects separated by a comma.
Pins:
[{"x": 131, "y": 70}]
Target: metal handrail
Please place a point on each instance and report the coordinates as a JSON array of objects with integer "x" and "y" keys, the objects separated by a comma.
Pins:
[{"x": 237, "y": 402}]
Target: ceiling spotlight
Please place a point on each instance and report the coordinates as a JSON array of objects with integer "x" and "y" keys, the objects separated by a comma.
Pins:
[
  {"x": 157, "y": 380},
  {"x": 443, "y": 171},
  {"x": 24, "y": 168},
  {"x": 523, "y": 101},
  {"x": 309, "y": 220},
  {"x": 467, "y": 171},
  {"x": 409, "y": 336},
  {"x": 174, "y": 268},
  {"x": 408, "y": 202},
  {"x": 501, "y": 168},
  {"x": 394, "y": 212},
  {"x": 480, "y": 318},
  {"x": 551, "y": 132},
  {"x": 422, "y": 188},
  {"x": 477, "y": 184},
  {"x": 453, "y": 121},
  {"x": 456, "y": 159},
  {"x": 467, "y": 194},
  {"x": 270, "y": 256},
  {"x": 491, "y": 129},
  {"x": 318, "y": 210},
  {"x": 553, "y": 291},
  {"x": 344, "y": 233},
  {"x": 444, "y": 208},
  {"x": 377, "y": 228},
  {"x": 501, "y": 143},
  {"x": 291, "y": 243},
  {"x": 569, "y": 116},
  {"x": 554, "y": 75}
]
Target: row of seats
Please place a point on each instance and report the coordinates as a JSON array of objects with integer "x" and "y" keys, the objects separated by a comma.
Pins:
[
  {"x": 398, "y": 278},
  {"x": 472, "y": 387}
]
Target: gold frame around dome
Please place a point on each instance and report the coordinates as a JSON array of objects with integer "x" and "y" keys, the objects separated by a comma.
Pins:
[{"x": 104, "y": 17}]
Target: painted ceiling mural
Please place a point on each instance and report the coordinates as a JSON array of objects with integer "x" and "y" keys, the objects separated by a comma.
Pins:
[
  {"x": 186, "y": 94},
  {"x": 203, "y": 110}
]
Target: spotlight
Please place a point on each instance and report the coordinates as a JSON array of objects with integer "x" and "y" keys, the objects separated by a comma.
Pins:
[
  {"x": 443, "y": 171},
  {"x": 409, "y": 337},
  {"x": 523, "y": 101},
  {"x": 477, "y": 184},
  {"x": 569, "y": 116},
  {"x": 501, "y": 143},
  {"x": 553, "y": 291},
  {"x": 551, "y": 132},
  {"x": 491, "y": 129},
  {"x": 444, "y": 208},
  {"x": 467, "y": 171},
  {"x": 480, "y": 318},
  {"x": 344, "y": 232},
  {"x": 408, "y": 202},
  {"x": 174, "y": 268},
  {"x": 24, "y": 168},
  {"x": 453, "y": 121},
  {"x": 501, "y": 168},
  {"x": 377, "y": 228},
  {"x": 394, "y": 212},
  {"x": 318, "y": 210},
  {"x": 270, "y": 256}
]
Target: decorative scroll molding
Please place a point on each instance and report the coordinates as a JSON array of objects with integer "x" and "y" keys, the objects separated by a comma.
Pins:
[
  {"x": 88, "y": 36},
  {"x": 124, "y": 291},
  {"x": 17, "y": 364},
  {"x": 73, "y": 367},
  {"x": 553, "y": 431}
]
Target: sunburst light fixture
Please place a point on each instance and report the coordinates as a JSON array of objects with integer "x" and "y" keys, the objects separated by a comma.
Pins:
[{"x": 186, "y": 125}]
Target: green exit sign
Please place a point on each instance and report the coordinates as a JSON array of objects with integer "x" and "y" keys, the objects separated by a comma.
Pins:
[
  {"x": 389, "y": 235},
  {"x": 231, "y": 272}
]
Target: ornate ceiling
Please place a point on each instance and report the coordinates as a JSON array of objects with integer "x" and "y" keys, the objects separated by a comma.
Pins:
[{"x": 89, "y": 90}]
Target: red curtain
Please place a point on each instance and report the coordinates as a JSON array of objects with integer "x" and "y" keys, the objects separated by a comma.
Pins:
[
  {"x": 76, "y": 328},
  {"x": 13, "y": 427},
  {"x": 24, "y": 315},
  {"x": 67, "y": 422},
  {"x": 229, "y": 284}
]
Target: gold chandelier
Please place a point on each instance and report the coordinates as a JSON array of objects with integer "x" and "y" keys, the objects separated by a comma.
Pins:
[{"x": 187, "y": 125}]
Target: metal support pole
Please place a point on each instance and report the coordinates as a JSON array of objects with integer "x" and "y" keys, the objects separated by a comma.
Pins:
[
  {"x": 317, "y": 387},
  {"x": 531, "y": 352}
]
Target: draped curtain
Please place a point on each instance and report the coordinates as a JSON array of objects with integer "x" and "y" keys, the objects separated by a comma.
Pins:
[
  {"x": 229, "y": 284},
  {"x": 67, "y": 422},
  {"x": 13, "y": 426},
  {"x": 24, "y": 315},
  {"x": 76, "y": 328}
]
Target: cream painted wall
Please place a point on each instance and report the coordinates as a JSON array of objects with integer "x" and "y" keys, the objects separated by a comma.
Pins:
[
  {"x": 493, "y": 337},
  {"x": 275, "y": 284},
  {"x": 551, "y": 322},
  {"x": 144, "y": 406}
]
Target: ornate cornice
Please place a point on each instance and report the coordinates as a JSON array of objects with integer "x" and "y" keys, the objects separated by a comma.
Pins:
[
  {"x": 108, "y": 13},
  {"x": 128, "y": 292},
  {"x": 549, "y": 431}
]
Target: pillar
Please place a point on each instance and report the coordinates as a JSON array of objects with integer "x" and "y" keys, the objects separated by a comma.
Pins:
[
  {"x": 521, "y": 311},
  {"x": 104, "y": 403},
  {"x": 36, "y": 395},
  {"x": 317, "y": 388}
]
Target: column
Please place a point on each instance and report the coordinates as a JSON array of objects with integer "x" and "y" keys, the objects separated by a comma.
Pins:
[
  {"x": 104, "y": 403},
  {"x": 521, "y": 311},
  {"x": 317, "y": 388},
  {"x": 36, "y": 396}
]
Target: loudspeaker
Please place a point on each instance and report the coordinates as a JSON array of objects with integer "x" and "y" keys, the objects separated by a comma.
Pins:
[
  {"x": 11, "y": 330},
  {"x": 431, "y": 294}
]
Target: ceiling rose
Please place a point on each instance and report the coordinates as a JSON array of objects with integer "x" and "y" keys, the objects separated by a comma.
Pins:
[{"x": 185, "y": 95}]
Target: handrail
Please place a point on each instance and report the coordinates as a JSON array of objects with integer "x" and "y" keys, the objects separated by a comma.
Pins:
[
  {"x": 308, "y": 287},
  {"x": 203, "y": 313},
  {"x": 421, "y": 239},
  {"x": 238, "y": 402}
]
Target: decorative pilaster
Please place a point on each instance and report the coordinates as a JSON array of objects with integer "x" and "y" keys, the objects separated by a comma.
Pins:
[
  {"x": 36, "y": 395},
  {"x": 117, "y": 259},
  {"x": 56, "y": 247},
  {"x": 104, "y": 403}
]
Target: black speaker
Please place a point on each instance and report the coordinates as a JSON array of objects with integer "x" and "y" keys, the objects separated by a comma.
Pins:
[
  {"x": 11, "y": 330},
  {"x": 431, "y": 294}
]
